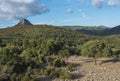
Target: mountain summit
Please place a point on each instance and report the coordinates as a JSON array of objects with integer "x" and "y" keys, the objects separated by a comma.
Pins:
[{"x": 24, "y": 22}]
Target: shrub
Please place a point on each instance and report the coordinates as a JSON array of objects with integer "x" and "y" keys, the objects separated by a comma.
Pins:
[
  {"x": 26, "y": 78},
  {"x": 66, "y": 76},
  {"x": 69, "y": 67},
  {"x": 54, "y": 74},
  {"x": 13, "y": 77},
  {"x": 59, "y": 63},
  {"x": 64, "y": 53}
]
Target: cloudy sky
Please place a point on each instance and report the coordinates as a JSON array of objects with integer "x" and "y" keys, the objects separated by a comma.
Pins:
[{"x": 61, "y": 12}]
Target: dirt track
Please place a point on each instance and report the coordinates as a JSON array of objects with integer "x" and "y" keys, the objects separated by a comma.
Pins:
[{"x": 87, "y": 71}]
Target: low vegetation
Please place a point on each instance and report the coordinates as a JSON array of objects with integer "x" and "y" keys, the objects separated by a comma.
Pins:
[{"x": 28, "y": 53}]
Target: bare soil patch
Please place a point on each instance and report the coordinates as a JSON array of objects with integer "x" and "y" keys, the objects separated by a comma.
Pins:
[{"x": 85, "y": 70}]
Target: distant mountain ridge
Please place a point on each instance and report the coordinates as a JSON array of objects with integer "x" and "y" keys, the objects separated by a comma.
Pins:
[
  {"x": 96, "y": 30},
  {"x": 115, "y": 30},
  {"x": 89, "y": 30}
]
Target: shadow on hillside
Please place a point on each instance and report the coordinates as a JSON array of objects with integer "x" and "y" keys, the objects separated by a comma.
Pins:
[
  {"x": 76, "y": 64},
  {"x": 45, "y": 79},
  {"x": 76, "y": 73},
  {"x": 87, "y": 60},
  {"x": 77, "y": 76},
  {"x": 111, "y": 60}
]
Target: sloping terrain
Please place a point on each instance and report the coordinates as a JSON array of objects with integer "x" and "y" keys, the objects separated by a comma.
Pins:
[
  {"x": 42, "y": 52},
  {"x": 96, "y": 30},
  {"x": 89, "y": 30},
  {"x": 44, "y": 32},
  {"x": 30, "y": 53}
]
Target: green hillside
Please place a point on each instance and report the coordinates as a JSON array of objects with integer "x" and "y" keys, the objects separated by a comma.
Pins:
[
  {"x": 44, "y": 32},
  {"x": 29, "y": 53},
  {"x": 89, "y": 30},
  {"x": 96, "y": 30}
]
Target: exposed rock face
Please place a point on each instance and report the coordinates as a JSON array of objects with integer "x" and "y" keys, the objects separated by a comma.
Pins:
[{"x": 24, "y": 22}]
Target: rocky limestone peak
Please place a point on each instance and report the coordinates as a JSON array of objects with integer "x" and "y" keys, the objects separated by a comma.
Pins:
[{"x": 24, "y": 22}]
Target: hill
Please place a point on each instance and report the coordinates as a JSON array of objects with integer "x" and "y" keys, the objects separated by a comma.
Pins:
[
  {"x": 113, "y": 31},
  {"x": 89, "y": 30},
  {"x": 44, "y": 32},
  {"x": 38, "y": 51},
  {"x": 96, "y": 30}
]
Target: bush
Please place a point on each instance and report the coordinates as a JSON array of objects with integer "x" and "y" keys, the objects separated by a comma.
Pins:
[
  {"x": 96, "y": 49},
  {"x": 64, "y": 53},
  {"x": 27, "y": 78},
  {"x": 66, "y": 76},
  {"x": 54, "y": 74},
  {"x": 59, "y": 63},
  {"x": 69, "y": 67},
  {"x": 13, "y": 77},
  {"x": 62, "y": 62}
]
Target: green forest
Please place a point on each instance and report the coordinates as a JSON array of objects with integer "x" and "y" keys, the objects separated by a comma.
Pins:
[{"x": 30, "y": 53}]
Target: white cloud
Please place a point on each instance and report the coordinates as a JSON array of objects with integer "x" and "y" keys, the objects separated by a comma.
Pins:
[
  {"x": 82, "y": 13},
  {"x": 16, "y": 9},
  {"x": 69, "y": 10},
  {"x": 98, "y": 3},
  {"x": 23, "y": 1},
  {"x": 113, "y": 2}
]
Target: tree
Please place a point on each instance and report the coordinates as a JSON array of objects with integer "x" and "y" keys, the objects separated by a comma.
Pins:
[
  {"x": 59, "y": 63},
  {"x": 53, "y": 46},
  {"x": 64, "y": 53},
  {"x": 5, "y": 55},
  {"x": 116, "y": 52},
  {"x": 13, "y": 77},
  {"x": 0, "y": 42},
  {"x": 96, "y": 49},
  {"x": 32, "y": 43},
  {"x": 50, "y": 46},
  {"x": 27, "y": 78}
]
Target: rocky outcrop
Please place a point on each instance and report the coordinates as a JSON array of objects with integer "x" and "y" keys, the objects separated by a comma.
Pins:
[{"x": 24, "y": 22}]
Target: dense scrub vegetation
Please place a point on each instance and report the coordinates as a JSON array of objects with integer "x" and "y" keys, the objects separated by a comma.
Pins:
[{"x": 29, "y": 53}]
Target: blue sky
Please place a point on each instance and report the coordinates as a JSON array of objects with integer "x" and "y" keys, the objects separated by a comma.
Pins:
[{"x": 62, "y": 12}]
